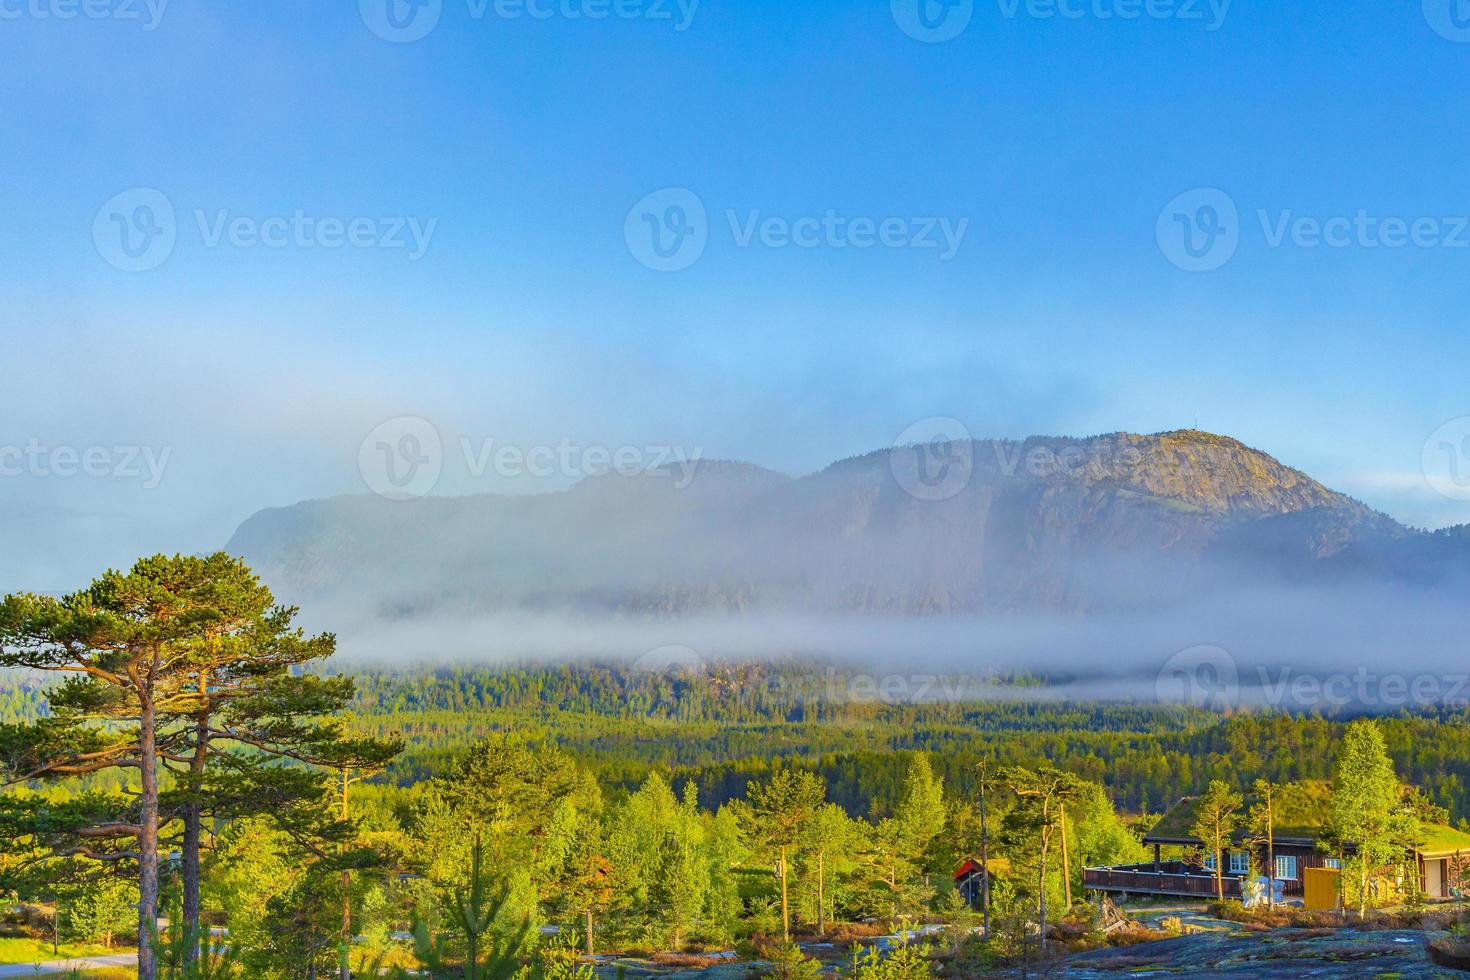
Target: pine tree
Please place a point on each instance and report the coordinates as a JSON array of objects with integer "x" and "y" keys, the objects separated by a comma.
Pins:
[
  {"x": 103, "y": 909},
  {"x": 920, "y": 811},
  {"x": 779, "y": 811},
  {"x": 243, "y": 690},
  {"x": 1262, "y": 825},
  {"x": 827, "y": 842},
  {"x": 123, "y": 643},
  {"x": 179, "y": 663},
  {"x": 985, "y": 784},
  {"x": 1041, "y": 795}
]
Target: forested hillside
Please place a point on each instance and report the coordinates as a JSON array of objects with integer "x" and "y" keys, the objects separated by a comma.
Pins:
[{"x": 722, "y": 726}]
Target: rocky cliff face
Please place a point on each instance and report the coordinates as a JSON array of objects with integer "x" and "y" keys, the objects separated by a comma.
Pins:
[{"x": 1056, "y": 524}]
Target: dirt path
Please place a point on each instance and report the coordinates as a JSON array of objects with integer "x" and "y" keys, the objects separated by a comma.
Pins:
[{"x": 61, "y": 966}]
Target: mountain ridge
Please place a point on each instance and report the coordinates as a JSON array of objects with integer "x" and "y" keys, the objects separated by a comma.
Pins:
[{"x": 1050, "y": 523}]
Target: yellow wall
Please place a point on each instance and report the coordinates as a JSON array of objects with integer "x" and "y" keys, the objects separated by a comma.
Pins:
[{"x": 1319, "y": 886}]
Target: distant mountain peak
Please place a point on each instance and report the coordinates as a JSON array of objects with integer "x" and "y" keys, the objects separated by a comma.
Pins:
[{"x": 1042, "y": 523}]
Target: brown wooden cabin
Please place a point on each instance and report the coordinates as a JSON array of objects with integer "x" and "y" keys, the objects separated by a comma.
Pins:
[
  {"x": 1296, "y": 850},
  {"x": 969, "y": 878}
]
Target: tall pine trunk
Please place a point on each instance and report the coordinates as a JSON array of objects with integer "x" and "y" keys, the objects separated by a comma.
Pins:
[
  {"x": 191, "y": 881},
  {"x": 1270, "y": 869},
  {"x": 147, "y": 837},
  {"x": 346, "y": 889},
  {"x": 193, "y": 838},
  {"x": 985, "y": 867},
  {"x": 1042, "y": 938},
  {"x": 1066, "y": 864},
  {"x": 785, "y": 908}
]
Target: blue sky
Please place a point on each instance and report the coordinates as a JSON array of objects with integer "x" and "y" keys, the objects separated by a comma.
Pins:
[{"x": 519, "y": 144}]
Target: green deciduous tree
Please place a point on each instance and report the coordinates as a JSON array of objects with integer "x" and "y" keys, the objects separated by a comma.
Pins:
[
  {"x": 102, "y": 909},
  {"x": 1216, "y": 816},
  {"x": 1365, "y": 793}
]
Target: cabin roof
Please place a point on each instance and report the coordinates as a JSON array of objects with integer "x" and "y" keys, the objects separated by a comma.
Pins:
[
  {"x": 1301, "y": 817},
  {"x": 1442, "y": 841},
  {"x": 999, "y": 867}
]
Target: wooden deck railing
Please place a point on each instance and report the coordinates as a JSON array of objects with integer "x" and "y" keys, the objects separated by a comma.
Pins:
[
  {"x": 1143, "y": 879},
  {"x": 1171, "y": 878}
]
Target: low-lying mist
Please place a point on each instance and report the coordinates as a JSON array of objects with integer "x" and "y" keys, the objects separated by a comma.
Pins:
[
  {"x": 1301, "y": 649},
  {"x": 1178, "y": 565}
]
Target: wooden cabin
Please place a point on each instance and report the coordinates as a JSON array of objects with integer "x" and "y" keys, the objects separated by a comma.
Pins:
[
  {"x": 969, "y": 878},
  {"x": 1298, "y": 833}
]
